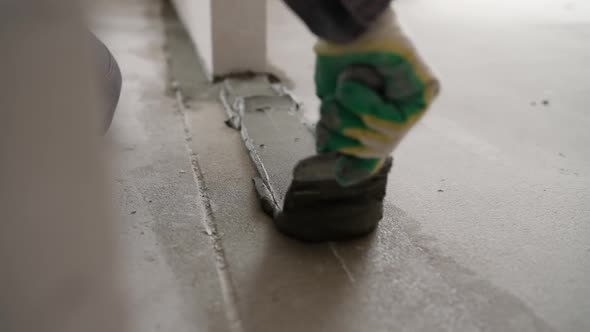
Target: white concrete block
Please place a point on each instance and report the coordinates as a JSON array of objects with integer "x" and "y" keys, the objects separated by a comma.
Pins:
[{"x": 230, "y": 35}]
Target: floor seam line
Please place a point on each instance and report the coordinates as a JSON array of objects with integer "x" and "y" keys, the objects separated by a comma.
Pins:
[{"x": 227, "y": 288}]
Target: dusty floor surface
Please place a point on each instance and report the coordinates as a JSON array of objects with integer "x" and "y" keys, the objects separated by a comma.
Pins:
[{"x": 487, "y": 223}]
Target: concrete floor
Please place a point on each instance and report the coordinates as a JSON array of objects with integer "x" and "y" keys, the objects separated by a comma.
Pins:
[
  {"x": 505, "y": 246},
  {"x": 515, "y": 173}
]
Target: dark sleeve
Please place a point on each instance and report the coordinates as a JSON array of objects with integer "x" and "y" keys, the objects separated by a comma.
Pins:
[{"x": 338, "y": 21}]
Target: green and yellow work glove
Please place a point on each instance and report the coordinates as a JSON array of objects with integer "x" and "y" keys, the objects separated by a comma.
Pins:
[{"x": 372, "y": 92}]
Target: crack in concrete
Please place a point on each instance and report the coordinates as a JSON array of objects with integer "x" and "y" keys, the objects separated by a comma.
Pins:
[
  {"x": 235, "y": 112},
  {"x": 227, "y": 288},
  {"x": 342, "y": 263}
]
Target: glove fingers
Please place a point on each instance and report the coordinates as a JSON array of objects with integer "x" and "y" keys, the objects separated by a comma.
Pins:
[
  {"x": 336, "y": 116},
  {"x": 332, "y": 140},
  {"x": 391, "y": 119},
  {"x": 328, "y": 140},
  {"x": 342, "y": 130},
  {"x": 364, "y": 101}
]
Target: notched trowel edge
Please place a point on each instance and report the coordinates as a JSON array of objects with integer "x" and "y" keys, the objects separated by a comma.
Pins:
[{"x": 267, "y": 201}]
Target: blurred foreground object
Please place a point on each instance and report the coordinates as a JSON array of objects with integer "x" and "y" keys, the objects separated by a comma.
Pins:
[{"x": 57, "y": 237}]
